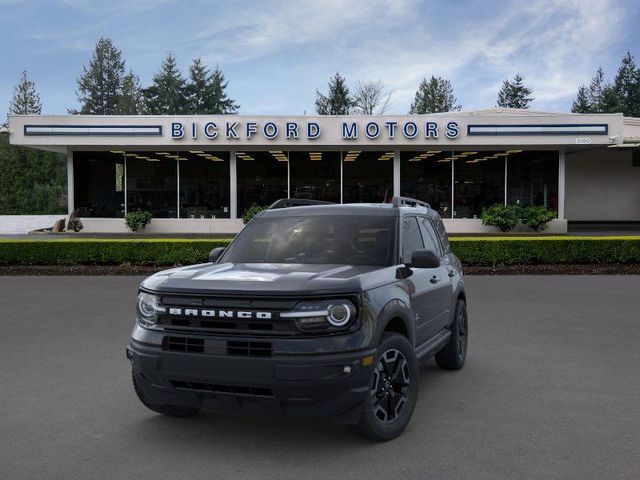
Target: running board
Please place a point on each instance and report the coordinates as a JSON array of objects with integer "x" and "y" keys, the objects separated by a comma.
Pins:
[{"x": 431, "y": 347}]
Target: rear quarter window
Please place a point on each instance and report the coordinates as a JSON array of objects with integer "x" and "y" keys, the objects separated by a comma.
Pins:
[{"x": 442, "y": 233}]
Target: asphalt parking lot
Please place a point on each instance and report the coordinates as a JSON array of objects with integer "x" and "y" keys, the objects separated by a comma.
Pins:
[{"x": 551, "y": 390}]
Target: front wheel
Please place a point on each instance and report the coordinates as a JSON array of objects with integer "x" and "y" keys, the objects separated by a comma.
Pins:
[
  {"x": 453, "y": 355},
  {"x": 393, "y": 390}
]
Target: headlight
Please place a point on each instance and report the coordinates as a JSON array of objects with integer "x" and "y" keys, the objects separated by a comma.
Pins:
[
  {"x": 148, "y": 309},
  {"x": 322, "y": 316}
]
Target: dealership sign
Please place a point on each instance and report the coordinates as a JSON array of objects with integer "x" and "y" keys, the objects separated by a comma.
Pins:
[{"x": 348, "y": 130}]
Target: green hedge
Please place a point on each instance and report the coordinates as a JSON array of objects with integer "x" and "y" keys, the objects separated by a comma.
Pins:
[
  {"x": 107, "y": 252},
  {"x": 546, "y": 250},
  {"x": 471, "y": 250}
]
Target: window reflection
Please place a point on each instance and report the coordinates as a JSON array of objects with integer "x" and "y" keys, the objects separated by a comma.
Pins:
[
  {"x": 315, "y": 175},
  {"x": 152, "y": 183},
  {"x": 262, "y": 178},
  {"x": 367, "y": 176},
  {"x": 204, "y": 184},
  {"x": 478, "y": 182},
  {"x": 426, "y": 175},
  {"x": 99, "y": 184}
]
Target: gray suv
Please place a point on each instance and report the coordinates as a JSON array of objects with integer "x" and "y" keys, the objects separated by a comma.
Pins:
[{"x": 314, "y": 310}]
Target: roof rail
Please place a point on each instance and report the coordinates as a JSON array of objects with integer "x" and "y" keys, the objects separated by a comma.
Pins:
[
  {"x": 296, "y": 202},
  {"x": 409, "y": 202}
]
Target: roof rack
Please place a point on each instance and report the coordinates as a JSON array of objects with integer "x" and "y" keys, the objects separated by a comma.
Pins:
[
  {"x": 296, "y": 202},
  {"x": 409, "y": 202}
]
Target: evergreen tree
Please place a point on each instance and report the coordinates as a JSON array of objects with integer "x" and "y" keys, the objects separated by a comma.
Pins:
[
  {"x": 596, "y": 88},
  {"x": 166, "y": 96},
  {"x": 130, "y": 101},
  {"x": 337, "y": 101},
  {"x": 206, "y": 92},
  {"x": 581, "y": 103},
  {"x": 627, "y": 86},
  {"x": 26, "y": 100},
  {"x": 100, "y": 84},
  {"x": 434, "y": 95},
  {"x": 514, "y": 93}
]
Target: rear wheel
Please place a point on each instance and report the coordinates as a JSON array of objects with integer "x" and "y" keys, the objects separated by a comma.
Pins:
[
  {"x": 169, "y": 410},
  {"x": 393, "y": 390},
  {"x": 453, "y": 355}
]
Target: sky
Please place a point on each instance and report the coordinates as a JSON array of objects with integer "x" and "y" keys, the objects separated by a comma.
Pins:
[{"x": 275, "y": 54}]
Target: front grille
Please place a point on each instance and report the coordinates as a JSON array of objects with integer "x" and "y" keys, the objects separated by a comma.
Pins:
[
  {"x": 219, "y": 388},
  {"x": 249, "y": 349},
  {"x": 183, "y": 344}
]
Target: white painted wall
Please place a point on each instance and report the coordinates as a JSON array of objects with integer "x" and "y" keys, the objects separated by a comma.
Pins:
[
  {"x": 474, "y": 225},
  {"x": 602, "y": 185},
  {"x": 12, "y": 224},
  {"x": 218, "y": 226}
]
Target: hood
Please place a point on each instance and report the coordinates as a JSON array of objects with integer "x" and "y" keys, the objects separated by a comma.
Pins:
[{"x": 269, "y": 279}]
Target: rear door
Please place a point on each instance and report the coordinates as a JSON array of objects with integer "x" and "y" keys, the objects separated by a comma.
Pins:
[{"x": 442, "y": 286}]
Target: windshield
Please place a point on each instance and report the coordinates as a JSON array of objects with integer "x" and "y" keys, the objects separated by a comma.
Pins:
[{"x": 318, "y": 239}]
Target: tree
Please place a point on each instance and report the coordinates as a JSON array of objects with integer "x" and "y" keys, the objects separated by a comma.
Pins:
[
  {"x": 99, "y": 86},
  {"x": 130, "y": 100},
  {"x": 434, "y": 95},
  {"x": 596, "y": 89},
  {"x": 26, "y": 100},
  {"x": 337, "y": 101},
  {"x": 627, "y": 86},
  {"x": 370, "y": 98},
  {"x": 166, "y": 96},
  {"x": 206, "y": 92},
  {"x": 514, "y": 93},
  {"x": 581, "y": 104}
]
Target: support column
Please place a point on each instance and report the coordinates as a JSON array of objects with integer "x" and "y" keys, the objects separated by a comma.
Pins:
[
  {"x": 396, "y": 173},
  {"x": 233, "y": 186},
  {"x": 70, "y": 193},
  {"x": 506, "y": 168},
  {"x": 561, "y": 183}
]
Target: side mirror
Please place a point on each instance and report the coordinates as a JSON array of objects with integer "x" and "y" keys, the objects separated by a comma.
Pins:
[
  {"x": 214, "y": 255},
  {"x": 425, "y": 259}
]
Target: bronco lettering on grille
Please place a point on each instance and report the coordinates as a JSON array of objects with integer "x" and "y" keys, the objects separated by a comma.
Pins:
[{"x": 241, "y": 314}]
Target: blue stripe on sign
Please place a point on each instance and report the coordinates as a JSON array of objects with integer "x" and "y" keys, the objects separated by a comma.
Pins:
[
  {"x": 548, "y": 129},
  {"x": 94, "y": 130}
]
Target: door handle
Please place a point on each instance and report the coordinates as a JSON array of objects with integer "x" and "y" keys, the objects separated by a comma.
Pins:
[{"x": 434, "y": 279}]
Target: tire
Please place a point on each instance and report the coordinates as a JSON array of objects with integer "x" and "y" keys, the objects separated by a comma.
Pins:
[
  {"x": 393, "y": 390},
  {"x": 454, "y": 354},
  {"x": 169, "y": 410}
]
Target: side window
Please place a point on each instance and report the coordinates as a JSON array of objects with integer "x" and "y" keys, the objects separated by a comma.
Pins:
[
  {"x": 442, "y": 233},
  {"x": 411, "y": 238},
  {"x": 430, "y": 238}
]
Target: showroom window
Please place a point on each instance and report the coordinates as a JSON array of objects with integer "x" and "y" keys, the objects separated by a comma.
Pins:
[
  {"x": 426, "y": 175},
  {"x": 532, "y": 178},
  {"x": 262, "y": 178},
  {"x": 204, "y": 184},
  {"x": 315, "y": 175},
  {"x": 99, "y": 184},
  {"x": 152, "y": 183},
  {"x": 367, "y": 176},
  {"x": 478, "y": 182}
]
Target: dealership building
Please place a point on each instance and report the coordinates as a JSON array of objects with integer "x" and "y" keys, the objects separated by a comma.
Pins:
[{"x": 199, "y": 174}]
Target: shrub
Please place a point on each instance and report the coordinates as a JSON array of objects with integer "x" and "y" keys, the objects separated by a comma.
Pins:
[
  {"x": 503, "y": 217},
  {"x": 537, "y": 217},
  {"x": 74, "y": 223},
  {"x": 137, "y": 220},
  {"x": 251, "y": 212}
]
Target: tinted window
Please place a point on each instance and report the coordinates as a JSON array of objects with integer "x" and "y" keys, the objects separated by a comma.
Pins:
[
  {"x": 315, "y": 239},
  {"x": 430, "y": 238},
  {"x": 442, "y": 233},
  {"x": 411, "y": 238}
]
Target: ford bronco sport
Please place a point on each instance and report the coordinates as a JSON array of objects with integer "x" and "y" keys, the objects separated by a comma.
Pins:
[{"x": 318, "y": 310}]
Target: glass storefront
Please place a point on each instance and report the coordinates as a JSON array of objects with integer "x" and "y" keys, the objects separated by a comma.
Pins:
[
  {"x": 196, "y": 184},
  {"x": 426, "y": 176},
  {"x": 262, "y": 178},
  {"x": 204, "y": 184},
  {"x": 99, "y": 184},
  {"x": 478, "y": 179},
  {"x": 367, "y": 177},
  {"x": 315, "y": 175}
]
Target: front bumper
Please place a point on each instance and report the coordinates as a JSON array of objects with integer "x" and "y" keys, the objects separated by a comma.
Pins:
[{"x": 325, "y": 384}]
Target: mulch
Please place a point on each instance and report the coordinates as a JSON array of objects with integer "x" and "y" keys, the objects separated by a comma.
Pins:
[{"x": 97, "y": 270}]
